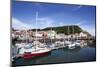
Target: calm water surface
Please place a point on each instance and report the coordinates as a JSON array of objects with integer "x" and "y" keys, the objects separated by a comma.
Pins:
[{"x": 61, "y": 56}]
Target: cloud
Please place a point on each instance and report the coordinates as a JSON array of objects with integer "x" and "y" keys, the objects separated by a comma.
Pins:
[
  {"x": 82, "y": 22},
  {"x": 77, "y": 8},
  {"x": 48, "y": 22},
  {"x": 19, "y": 25},
  {"x": 41, "y": 23},
  {"x": 44, "y": 22},
  {"x": 61, "y": 24},
  {"x": 88, "y": 28}
]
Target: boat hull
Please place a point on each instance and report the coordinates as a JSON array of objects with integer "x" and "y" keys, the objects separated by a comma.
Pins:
[{"x": 31, "y": 55}]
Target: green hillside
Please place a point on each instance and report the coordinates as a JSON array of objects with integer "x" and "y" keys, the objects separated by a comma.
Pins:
[
  {"x": 62, "y": 29},
  {"x": 65, "y": 29}
]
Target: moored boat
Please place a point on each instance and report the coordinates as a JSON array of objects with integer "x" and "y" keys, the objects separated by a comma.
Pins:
[
  {"x": 37, "y": 49},
  {"x": 36, "y": 53}
]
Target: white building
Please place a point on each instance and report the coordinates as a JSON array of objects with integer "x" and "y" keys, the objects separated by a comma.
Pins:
[
  {"x": 61, "y": 36},
  {"x": 83, "y": 34},
  {"x": 51, "y": 34}
]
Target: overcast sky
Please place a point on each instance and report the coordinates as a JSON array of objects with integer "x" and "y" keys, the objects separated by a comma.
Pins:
[{"x": 24, "y": 15}]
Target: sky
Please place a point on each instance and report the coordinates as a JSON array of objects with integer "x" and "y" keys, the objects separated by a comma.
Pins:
[{"x": 24, "y": 15}]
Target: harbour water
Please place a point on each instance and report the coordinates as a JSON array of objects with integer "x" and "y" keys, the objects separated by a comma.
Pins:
[{"x": 62, "y": 55}]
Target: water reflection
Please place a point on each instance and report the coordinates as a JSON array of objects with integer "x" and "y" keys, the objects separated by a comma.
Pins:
[
  {"x": 62, "y": 55},
  {"x": 22, "y": 61}
]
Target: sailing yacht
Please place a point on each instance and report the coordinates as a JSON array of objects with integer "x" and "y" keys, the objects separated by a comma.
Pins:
[
  {"x": 73, "y": 43},
  {"x": 35, "y": 50}
]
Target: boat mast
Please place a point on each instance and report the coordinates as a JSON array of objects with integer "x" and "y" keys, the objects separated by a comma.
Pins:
[
  {"x": 68, "y": 33},
  {"x": 51, "y": 35},
  {"x": 26, "y": 36},
  {"x": 36, "y": 28},
  {"x": 73, "y": 32},
  {"x": 36, "y": 23}
]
